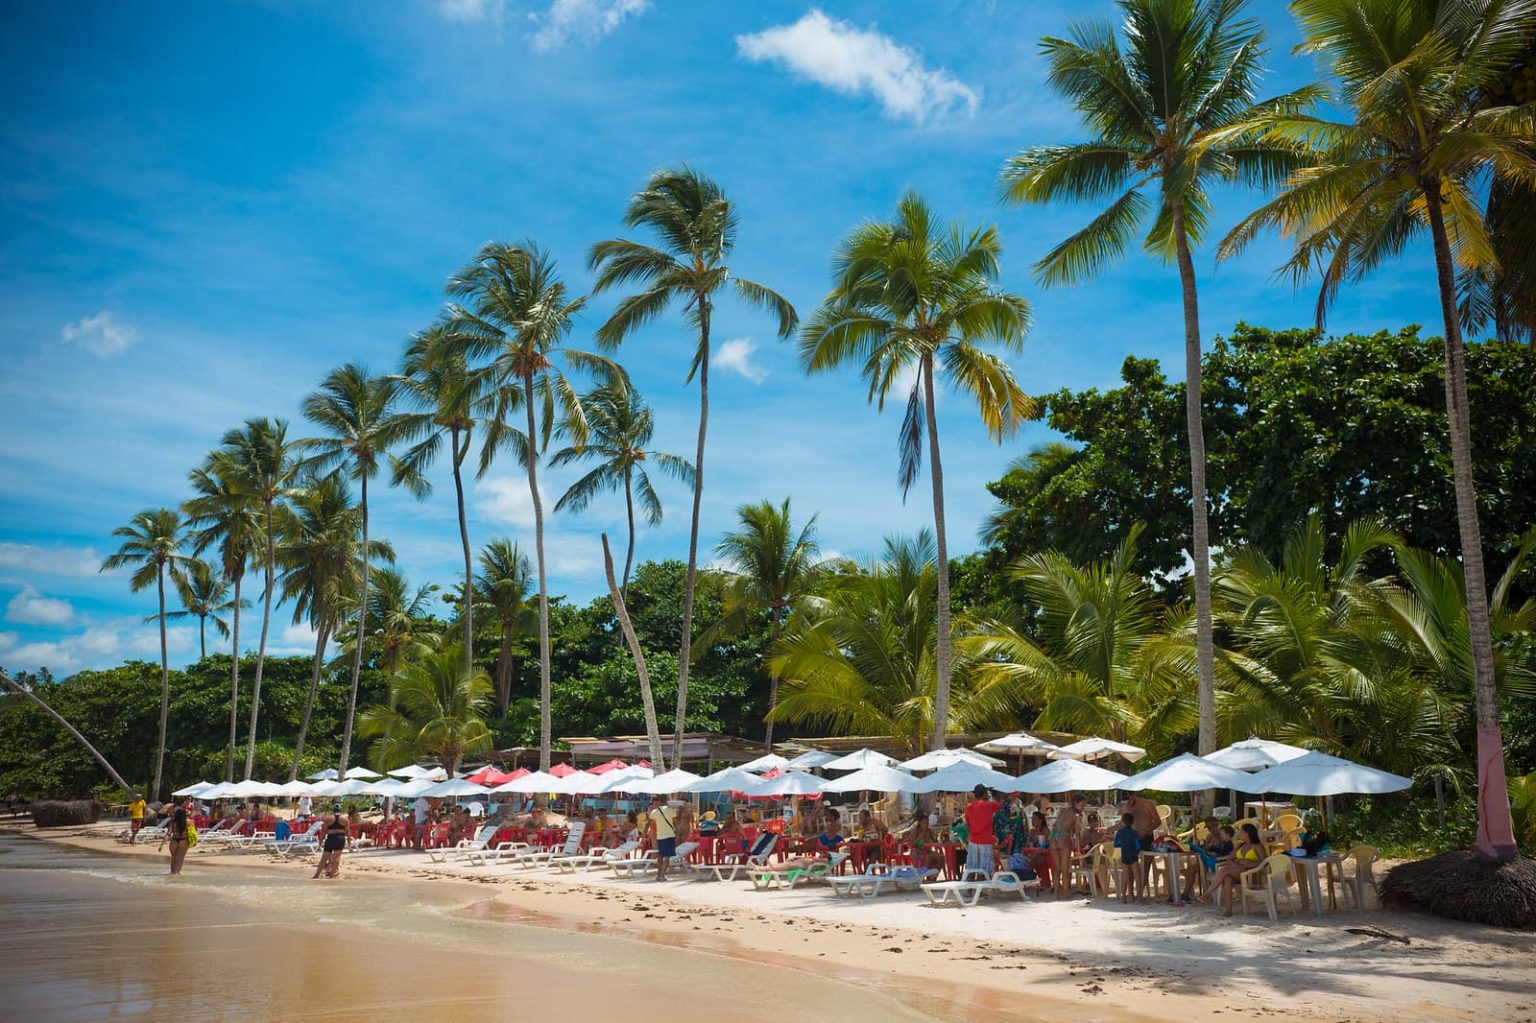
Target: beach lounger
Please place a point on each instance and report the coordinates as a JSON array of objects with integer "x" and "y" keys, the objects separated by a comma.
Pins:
[
  {"x": 591, "y": 861},
  {"x": 464, "y": 846},
  {"x": 766, "y": 878},
  {"x": 639, "y": 866},
  {"x": 305, "y": 842},
  {"x": 969, "y": 889},
  {"x": 737, "y": 865},
  {"x": 492, "y": 855},
  {"x": 572, "y": 847}
]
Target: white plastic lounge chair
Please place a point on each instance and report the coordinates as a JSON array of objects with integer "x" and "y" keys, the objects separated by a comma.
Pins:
[
  {"x": 464, "y": 846},
  {"x": 572, "y": 847},
  {"x": 591, "y": 861},
  {"x": 639, "y": 866},
  {"x": 492, "y": 855},
  {"x": 295, "y": 842},
  {"x": 766, "y": 878},
  {"x": 973, "y": 885},
  {"x": 738, "y": 864},
  {"x": 864, "y": 886}
]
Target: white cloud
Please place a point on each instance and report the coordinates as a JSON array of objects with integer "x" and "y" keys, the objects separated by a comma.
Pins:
[
  {"x": 735, "y": 356},
  {"x": 585, "y": 20},
  {"x": 71, "y": 561},
  {"x": 855, "y": 61},
  {"x": 30, "y": 607},
  {"x": 101, "y": 334},
  {"x": 99, "y": 646},
  {"x": 471, "y": 10},
  {"x": 505, "y": 501},
  {"x": 860, "y": 62}
]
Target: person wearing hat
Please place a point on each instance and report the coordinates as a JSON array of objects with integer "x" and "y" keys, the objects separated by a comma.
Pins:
[
  {"x": 335, "y": 842},
  {"x": 708, "y": 825},
  {"x": 662, "y": 829}
]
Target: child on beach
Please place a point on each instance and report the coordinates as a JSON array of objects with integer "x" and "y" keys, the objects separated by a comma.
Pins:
[{"x": 1128, "y": 841}]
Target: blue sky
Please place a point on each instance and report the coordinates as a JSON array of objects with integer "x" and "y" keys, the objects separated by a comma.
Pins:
[{"x": 205, "y": 207}]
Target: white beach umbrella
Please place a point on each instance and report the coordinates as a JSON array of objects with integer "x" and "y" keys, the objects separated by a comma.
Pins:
[
  {"x": 247, "y": 789},
  {"x": 385, "y": 787},
  {"x": 196, "y": 789},
  {"x": 354, "y": 787},
  {"x": 790, "y": 783},
  {"x": 413, "y": 788},
  {"x": 411, "y": 772},
  {"x": 577, "y": 783},
  {"x": 534, "y": 781},
  {"x": 935, "y": 759},
  {"x": 676, "y": 780},
  {"x": 1097, "y": 749},
  {"x": 455, "y": 788},
  {"x": 1254, "y": 754},
  {"x": 272, "y": 789},
  {"x": 963, "y": 776},
  {"x": 1018, "y": 742},
  {"x": 361, "y": 772},
  {"x": 1318, "y": 774},
  {"x": 728, "y": 779},
  {"x": 765, "y": 763},
  {"x": 872, "y": 779},
  {"x": 221, "y": 790},
  {"x": 858, "y": 760},
  {"x": 810, "y": 760},
  {"x": 1067, "y": 775},
  {"x": 297, "y": 788},
  {"x": 614, "y": 781},
  {"x": 1187, "y": 773},
  {"x": 329, "y": 774}
]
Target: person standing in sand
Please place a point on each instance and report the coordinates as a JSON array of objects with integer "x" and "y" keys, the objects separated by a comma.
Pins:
[
  {"x": 176, "y": 834},
  {"x": 136, "y": 817},
  {"x": 1065, "y": 837},
  {"x": 980, "y": 838},
  {"x": 1145, "y": 819},
  {"x": 663, "y": 830}
]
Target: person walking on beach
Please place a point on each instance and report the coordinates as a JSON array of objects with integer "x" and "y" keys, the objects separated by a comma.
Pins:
[
  {"x": 176, "y": 834},
  {"x": 663, "y": 830},
  {"x": 1145, "y": 819},
  {"x": 1066, "y": 837},
  {"x": 979, "y": 813},
  {"x": 335, "y": 843},
  {"x": 136, "y": 817},
  {"x": 1132, "y": 881}
]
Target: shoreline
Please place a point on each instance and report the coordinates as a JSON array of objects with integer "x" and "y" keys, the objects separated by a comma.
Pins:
[{"x": 1101, "y": 960}]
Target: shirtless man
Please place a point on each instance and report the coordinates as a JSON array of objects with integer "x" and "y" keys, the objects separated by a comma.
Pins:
[{"x": 1145, "y": 819}]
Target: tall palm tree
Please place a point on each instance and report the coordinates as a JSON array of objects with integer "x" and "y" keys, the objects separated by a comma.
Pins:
[
  {"x": 436, "y": 711},
  {"x": 513, "y": 309},
  {"x": 695, "y": 226},
  {"x": 439, "y": 382},
  {"x": 358, "y": 412},
  {"x": 1187, "y": 70},
  {"x": 501, "y": 592},
  {"x": 223, "y": 513},
  {"x": 204, "y": 596},
  {"x": 619, "y": 426},
  {"x": 1414, "y": 157},
  {"x": 911, "y": 294},
  {"x": 260, "y": 459},
  {"x": 769, "y": 566},
  {"x": 152, "y": 543},
  {"x": 400, "y": 627}
]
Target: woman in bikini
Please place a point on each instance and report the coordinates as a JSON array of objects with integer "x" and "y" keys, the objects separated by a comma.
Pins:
[
  {"x": 335, "y": 842},
  {"x": 1065, "y": 836},
  {"x": 1247, "y": 854},
  {"x": 176, "y": 835}
]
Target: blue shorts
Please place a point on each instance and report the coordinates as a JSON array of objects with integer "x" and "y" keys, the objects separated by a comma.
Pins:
[{"x": 666, "y": 847}]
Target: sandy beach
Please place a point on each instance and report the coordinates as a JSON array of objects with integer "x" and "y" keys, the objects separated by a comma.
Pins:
[{"x": 1001, "y": 960}]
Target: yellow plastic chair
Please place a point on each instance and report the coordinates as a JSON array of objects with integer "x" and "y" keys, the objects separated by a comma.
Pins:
[
  {"x": 1105, "y": 868},
  {"x": 1364, "y": 856},
  {"x": 1268, "y": 881}
]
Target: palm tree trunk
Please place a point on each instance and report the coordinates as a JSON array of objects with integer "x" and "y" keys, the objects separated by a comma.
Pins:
[
  {"x": 234, "y": 685},
  {"x": 261, "y": 650},
  {"x": 165, "y": 689},
  {"x": 309, "y": 703},
  {"x": 1200, "y": 544},
  {"x": 359, "y": 638},
  {"x": 504, "y": 668},
  {"x": 936, "y": 474},
  {"x": 202, "y": 637},
  {"x": 545, "y": 723},
  {"x": 1495, "y": 829},
  {"x": 117, "y": 779},
  {"x": 629, "y": 512},
  {"x": 693, "y": 537},
  {"x": 648, "y": 704},
  {"x": 469, "y": 576},
  {"x": 773, "y": 684}
]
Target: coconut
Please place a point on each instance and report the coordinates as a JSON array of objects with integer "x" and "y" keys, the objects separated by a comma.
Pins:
[{"x": 1467, "y": 886}]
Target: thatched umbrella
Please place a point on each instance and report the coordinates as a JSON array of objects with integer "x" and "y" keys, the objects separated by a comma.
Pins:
[{"x": 1465, "y": 886}]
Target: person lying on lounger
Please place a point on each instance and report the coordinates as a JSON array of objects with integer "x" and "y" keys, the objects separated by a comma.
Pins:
[{"x": 803, "y": 862}]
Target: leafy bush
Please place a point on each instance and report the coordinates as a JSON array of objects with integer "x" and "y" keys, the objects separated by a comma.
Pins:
[
  {"x": 62, "y": 813},
  {"x": 1406, "y": 828}
]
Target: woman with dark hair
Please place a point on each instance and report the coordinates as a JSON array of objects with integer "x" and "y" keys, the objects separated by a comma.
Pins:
[
  {"x": 176, "y": 834},
  {"x": 1247, "y": 854},
  {"x": 335, "y": 842}
]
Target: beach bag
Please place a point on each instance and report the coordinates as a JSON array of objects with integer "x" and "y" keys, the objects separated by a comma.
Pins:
[
  {"x": 191, "y": 835},
  {"x": 1019, "y": 864},
  {"x": 1315, "y": 843}
]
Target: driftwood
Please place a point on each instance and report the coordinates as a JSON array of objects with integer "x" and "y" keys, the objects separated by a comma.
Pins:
[{"x": 1377, "y": 932}]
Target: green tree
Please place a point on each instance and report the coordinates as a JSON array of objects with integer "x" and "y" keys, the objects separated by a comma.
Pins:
[
  {"x": 204, "y": 596},
  {"x": 1157, "y": 108},
  {"x": 768, "y": 567},
  {"x": 695, "y": 225},
  {"x": 910, "y": 294},
  {"x": 152, "y": 543},
  {"x": 402, "y": 628},
  {"x": 360, "y": 413},
  {"x": 517, "y": 313},
  {"x": 619, "y": 425},
  {"x": 1412, "y": 158},
  {"x": 501, "y": 593},
  {"x": 436, "y": 711}
]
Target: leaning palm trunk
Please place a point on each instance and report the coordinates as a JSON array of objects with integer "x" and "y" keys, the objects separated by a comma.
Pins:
[
  {"x": 469, "y": 576},
  {"x": 117, "y": 779},
  {"x": 309, "y": 702},
  {"x": 234, "y": 688},
  {"x": 1200, "y": 552},
  {"x": 941, "y": 651},
  {"x": 261, "y": 649},
  {"x": 358, "y": 639},
  {"x": 693, "y": 537},
  {"x": 1495, "y": 829},
  {"x": 545, "y": 694},
  {"x": 629, "y": 515},
  {"x": 773, "y": 682},
  {"x": 165, "y": 691},
  {"x": 652, "y": 729}
]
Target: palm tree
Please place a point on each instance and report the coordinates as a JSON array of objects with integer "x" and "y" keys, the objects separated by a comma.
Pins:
[
  {"x": 501, "y": 591},
  {"x": 224, "y": 514},
  {"x": 358, "y": 411},
  {"x": 1187, "y": 71},
  {"x": 1415, "y": 156},
  {"x": 259, "y": 458},
  {"x": 619, "y": 425},
  {"x": 401, "y": 628},
  {"x": 204, "y": 596},
  {"x": 910, "y": 294},
  {"x": 769, "y": 567},
  {"x": 438, "y": 381},
  {"x": 516, "y": 312},
  {"x": 152, "y": 543},
  {"x": 695, "y": 225},
  {"x": 637, "y": 652},
  {"x": 436, "y": 711}
]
